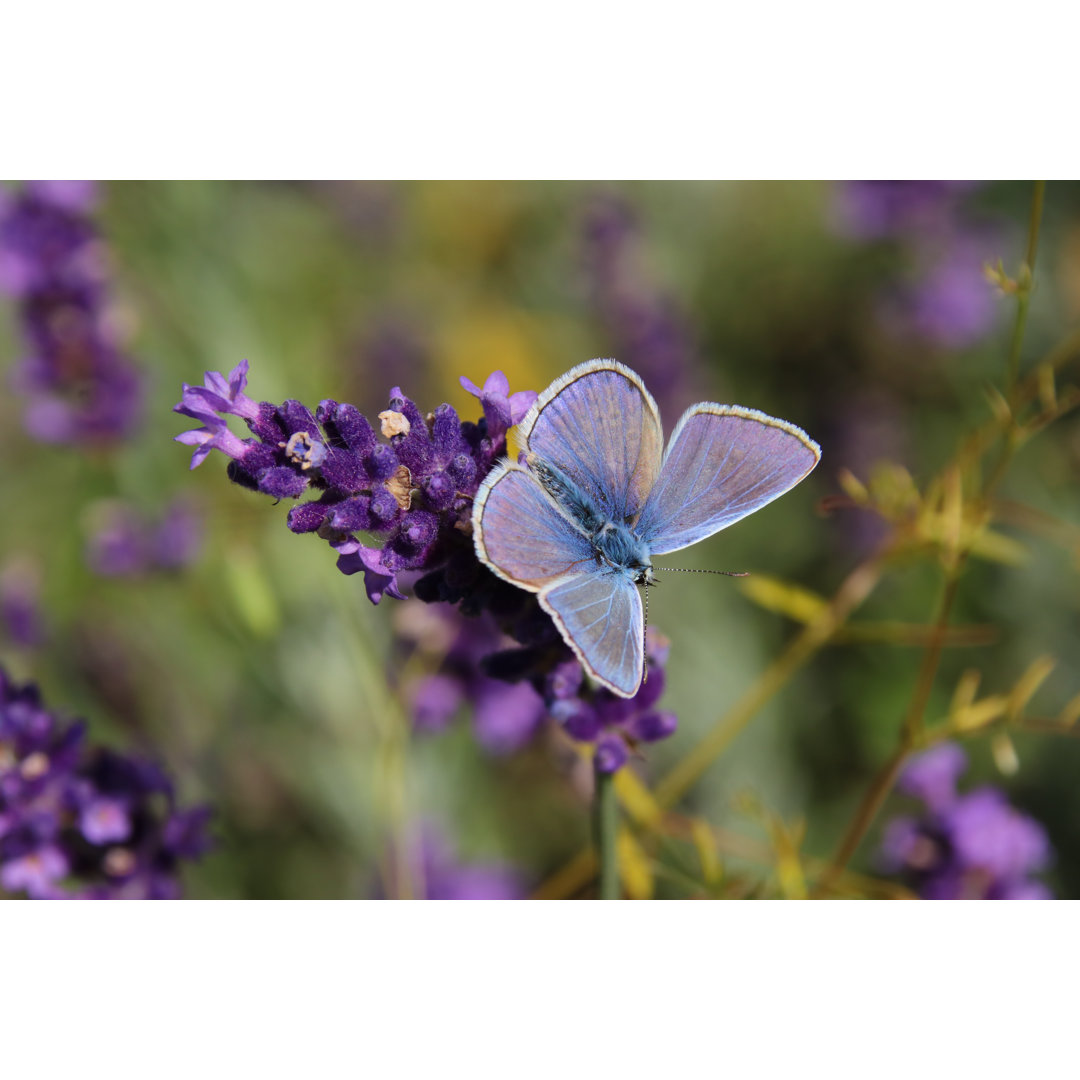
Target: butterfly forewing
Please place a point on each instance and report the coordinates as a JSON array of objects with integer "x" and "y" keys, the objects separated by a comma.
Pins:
[
  {"x": 600, "y": 616},
  {"x": 600, "y": 425},
  {"x": 521, "y": 535},
  {"x": 722, "y": 463}
]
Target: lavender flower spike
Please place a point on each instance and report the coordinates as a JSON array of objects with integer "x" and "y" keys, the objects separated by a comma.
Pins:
[
  {"x": 84, "y": 822},
  {"x": 78, "y": 382}
]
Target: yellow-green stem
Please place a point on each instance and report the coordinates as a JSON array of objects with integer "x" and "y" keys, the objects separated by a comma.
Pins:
[
  {"x": 1025, "y": 286},
  {"x": 606, "y": 826}
]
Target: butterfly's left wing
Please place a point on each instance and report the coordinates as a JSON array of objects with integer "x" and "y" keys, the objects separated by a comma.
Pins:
[
  {"x": 722, "y": 463},
  {"x": 520, "y": 533},
  {"x": 599, "y": 616},
  {"x": 602, "y": 427}
]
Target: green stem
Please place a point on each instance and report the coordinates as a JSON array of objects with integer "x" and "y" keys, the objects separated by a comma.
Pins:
[
  {"x": 606, "y": 825},
  {"x": 1024, "y": 296}
]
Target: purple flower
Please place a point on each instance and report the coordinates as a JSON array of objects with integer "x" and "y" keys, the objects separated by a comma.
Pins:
[
  {"x": 104, "y": 820},
  {"x": 413, "y": 489},
  {"x": 435, "y": 873},
  {"x": 502, "y": 410},
  {"x": 932, "y": 775},
  {"x": 217, "y": 395},
  {"x": 34, "y": 872},
  {"x": 354, "y": 557},
  {"x": 943, "y": 297},
  {"x": 506, "y": 715},
  {"x": 433, "y": 700},
  {"x": 615, "y": 725},
  {"x": 20, "y": 608},
  {"x": 646, "y": 328},
  {"x": 870, "y": 209},
  {"x": 78, "y": 821},
  {"x": 946, "y": 299},
  {"x": 125, "y": 542},
  {"x": 78, "y": 383},
  {"x": 963, "y": 847},
  {"x": 986, "y": 832}
]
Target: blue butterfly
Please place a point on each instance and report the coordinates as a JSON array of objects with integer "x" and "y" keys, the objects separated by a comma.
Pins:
[{"x": 594, "y": 497}]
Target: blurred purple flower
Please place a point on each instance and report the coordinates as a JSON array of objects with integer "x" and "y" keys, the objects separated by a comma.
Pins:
[
  {"x": 79, "y": 385},
  {"x": 78, "y": 821},
  {"x": 436, "y": 874},
  {"x": 963, "y": 847},
  {"x": 947, "y": 299},
  {"x": 125, "y": 542},
  {"x": 20, "y": 605},
  {"x": 870, "y": 209},
  {"x": 944, "y": 299},
  {"x": 932, "y": 776},
  {"x": 506, "y": 715},
  {"x": 646, "y": 329}
]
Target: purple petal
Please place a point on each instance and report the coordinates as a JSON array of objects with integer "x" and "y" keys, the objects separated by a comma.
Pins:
[
  {"x": 469, "y": 385},
  {"x": 506, "y": 715},
  {"x": 520, "y": 404},
  {"x": 105, "y": 821},
  {"x": 497, "y": 385},
  {"x": 932, "y": 775},
  {"x": 353, "y": 556},
  {"x": 611, "y": 753}
]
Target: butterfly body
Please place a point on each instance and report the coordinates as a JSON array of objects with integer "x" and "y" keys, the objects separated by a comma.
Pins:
[
  {"x": 617, "y": 548},
  {"x": 594, "y": 497}
]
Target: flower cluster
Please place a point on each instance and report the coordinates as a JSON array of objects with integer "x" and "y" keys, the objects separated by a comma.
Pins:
[
  {"x": 614, "y": 725},
  {"x": 80, "y": 387},
  {"x": 505, "y": 715},
  {"x": 124, "y": 542},
  {"x": 414, "y": 489},
  {"x": 84, "y": 822},
  {"x": 945, "y": 298},
  {"x": 963, "y": 847}
]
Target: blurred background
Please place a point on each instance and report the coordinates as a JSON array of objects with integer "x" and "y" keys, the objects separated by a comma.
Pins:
[{"x": 265, "y": 681}]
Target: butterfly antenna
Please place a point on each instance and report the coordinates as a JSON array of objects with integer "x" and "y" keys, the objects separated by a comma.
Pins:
[
  {"x": 694, "y": 570},
  {"x": 644, "y": 648}
]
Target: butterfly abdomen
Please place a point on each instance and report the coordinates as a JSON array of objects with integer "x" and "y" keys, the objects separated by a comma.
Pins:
[{"x": 573, "y": 499}]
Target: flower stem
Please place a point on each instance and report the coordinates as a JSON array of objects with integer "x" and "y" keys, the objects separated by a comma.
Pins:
[
  {"x": 1024, "y": 295},
  {"x": 606, "y": 825}
]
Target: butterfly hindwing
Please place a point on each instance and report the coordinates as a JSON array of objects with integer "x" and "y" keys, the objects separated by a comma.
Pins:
[
  {"x": 722, "y": 463},
  {"x": 521, "y": 535},
  {"x": 600, "y": 425},
  {"x": 600, "y": 616}
]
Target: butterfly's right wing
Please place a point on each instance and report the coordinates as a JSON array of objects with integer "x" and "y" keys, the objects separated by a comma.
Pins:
[
  {"x": 520, "y": 534},
  {"x": 601, "y": 426},
  {"x": 599, "y": 615},
  {"x": 722, "y": 463}
]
